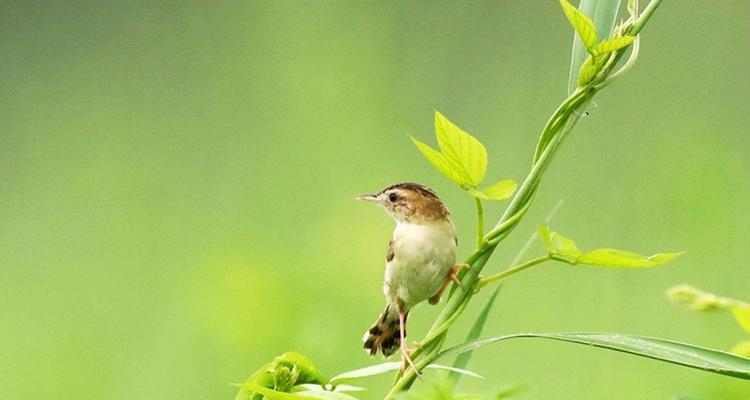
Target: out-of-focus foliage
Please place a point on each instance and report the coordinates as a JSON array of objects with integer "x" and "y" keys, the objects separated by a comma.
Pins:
[{"x": 698, "y": 300}]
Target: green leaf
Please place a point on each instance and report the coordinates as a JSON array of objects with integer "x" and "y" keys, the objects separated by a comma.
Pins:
[
  {"x": 443, "y": 164},
  {"x": 588, "y": 71},
  {"x": 386, "y": 367},
  {"x": 463, "y": 359},
  {"x": 608, "y": 46},
  {"x": 742, "y": 315},
  {"x": 373, "y": 370},
  {"x": 688, "y": 355},
  {"x": 590, "y": 68},
  {"x": 558, "y": 246},
  {"x": 461, "y": 149},
  {"x": 499, "y": 191},
  {"x": 619, "y": 258},
  {"x": 581, "y": 23},
  {"x": 603, "y": 13},
  {"x": 632, "y": 58},
  {"x": 564, "y": 249},
  {"x": 455, "y": 370}
]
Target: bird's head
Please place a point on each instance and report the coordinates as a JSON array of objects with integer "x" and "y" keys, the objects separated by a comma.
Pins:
[{"x": 410, "y": 202}]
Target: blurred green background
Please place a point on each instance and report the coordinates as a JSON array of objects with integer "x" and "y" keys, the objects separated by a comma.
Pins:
[{"x": 178, "y": 183}]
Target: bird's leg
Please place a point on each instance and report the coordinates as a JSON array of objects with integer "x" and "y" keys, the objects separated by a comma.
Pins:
[
  {"x": 404, "y": 350},
  {"x": 452, "y": 277}
]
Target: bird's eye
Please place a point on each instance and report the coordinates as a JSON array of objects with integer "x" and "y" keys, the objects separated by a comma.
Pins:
[{"x": 393, "y": 197}]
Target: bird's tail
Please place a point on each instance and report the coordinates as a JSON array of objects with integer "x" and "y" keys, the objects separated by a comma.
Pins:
[{"x": 385, "y": 335}]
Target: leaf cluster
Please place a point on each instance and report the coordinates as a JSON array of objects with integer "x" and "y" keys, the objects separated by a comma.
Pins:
[
  {"x": 462, "y": 158},
  {"x": 600, "y": 51}
]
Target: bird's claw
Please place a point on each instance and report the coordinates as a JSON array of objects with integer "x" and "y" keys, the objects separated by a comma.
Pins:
[
  {"x": 454, "y": 273},
  {"x": 408, "y": 362}
]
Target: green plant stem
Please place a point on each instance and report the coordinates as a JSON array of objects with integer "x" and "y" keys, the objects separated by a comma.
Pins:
[
  {"x": 512, "y": 270},
  {"x": 480, "y": 222},
  {"x": 644, "y": 17}
]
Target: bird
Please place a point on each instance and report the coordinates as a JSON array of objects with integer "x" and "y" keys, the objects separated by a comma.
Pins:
[{"x": 420, "y": 262}]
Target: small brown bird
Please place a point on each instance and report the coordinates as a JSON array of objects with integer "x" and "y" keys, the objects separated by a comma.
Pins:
[{"x": 420, "y": 261}]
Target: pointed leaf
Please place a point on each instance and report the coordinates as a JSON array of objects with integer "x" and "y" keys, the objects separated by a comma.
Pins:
[
  {"x": 581, "y": 22},
  {"x": 564, "y": 249},
  {"x": 632, "y": 58},
  {"x": 499, "y": 191},
  {"x": 588, "y": 72},
  {"x": 461, "y": 149},
  {"x": 619, "y": 258},
  {"x": 454, "y": 370},
  {"x": 590, "y": 68},
  {"x": 442, "y": 164},
  {"x": 386, "y": 367},
  {"x": 373, "y": 370},
  {"x": 688, "y": 355},
  {"x": 742, "y": 315},
  {"x": 558, "y": 246},
  {"x": 617, "y": 43}
]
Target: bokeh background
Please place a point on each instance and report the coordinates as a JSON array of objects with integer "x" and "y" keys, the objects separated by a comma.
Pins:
[{"x": 177, "y": 187}]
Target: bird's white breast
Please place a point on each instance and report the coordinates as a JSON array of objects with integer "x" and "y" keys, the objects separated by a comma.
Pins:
[{"x": 423, "y": 254}]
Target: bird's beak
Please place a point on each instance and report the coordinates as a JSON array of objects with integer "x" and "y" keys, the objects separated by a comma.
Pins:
[{"x": 368, "y": 197}]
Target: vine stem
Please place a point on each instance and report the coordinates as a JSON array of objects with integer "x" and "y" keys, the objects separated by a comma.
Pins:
[
  {"x": 480, "y": 222},
  {"x": 512, "y": 270}
]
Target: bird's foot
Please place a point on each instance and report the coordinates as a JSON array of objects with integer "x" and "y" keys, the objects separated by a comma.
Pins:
[
  {"x": 405, "y": 353},
  {"x": 452, "y": 277},
  {"x": 408, "y": 362}
]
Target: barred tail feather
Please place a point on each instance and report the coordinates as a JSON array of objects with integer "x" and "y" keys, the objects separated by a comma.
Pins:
[{"x": 384, "y": 335}]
